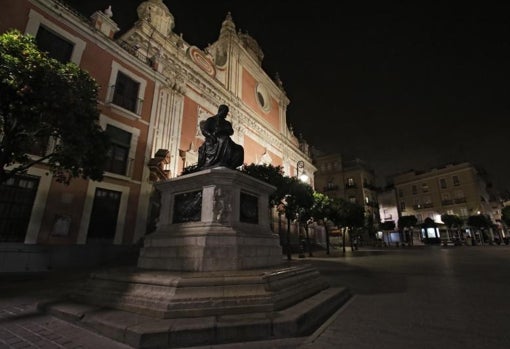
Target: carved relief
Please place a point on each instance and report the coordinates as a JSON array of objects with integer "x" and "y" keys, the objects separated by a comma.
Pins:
[{"x": 222, "y": 208}]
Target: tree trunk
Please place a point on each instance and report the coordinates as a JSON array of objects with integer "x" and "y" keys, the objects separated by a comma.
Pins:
[{"x": 289, "y": 252}]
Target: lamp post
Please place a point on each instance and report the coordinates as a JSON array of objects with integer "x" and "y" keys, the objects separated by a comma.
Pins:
[
  {"x": 300, "y": 171},
  {"x": 300, "y": 167}
]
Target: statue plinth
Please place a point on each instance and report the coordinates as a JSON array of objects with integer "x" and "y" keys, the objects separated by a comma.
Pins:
[
  {"x": 211, "y": 273},
  {"x": 212, "y": 220}
]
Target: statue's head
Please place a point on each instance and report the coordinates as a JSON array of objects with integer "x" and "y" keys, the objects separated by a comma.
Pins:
[{"x": 223, "y": 110}]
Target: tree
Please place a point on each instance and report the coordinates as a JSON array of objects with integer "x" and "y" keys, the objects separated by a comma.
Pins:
[
  {"x": 408, "y": 222},
  {"x": 321, "y": 210},
  {"x": 451, "y": 221},
  {"x": 274, "y": 176},
  {"x": 299, "y": 198},
  {"x": 42, "y": 99},
  {"x": 292, "y": 197},
  {"x": 481, "y": 222},
  {"x": 349, "y": 215},
  {"x": 269, "y": 174}
]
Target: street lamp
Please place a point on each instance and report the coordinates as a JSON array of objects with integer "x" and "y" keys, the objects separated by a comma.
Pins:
[
  {"x": 302, "y": 176},
  {"x": 300, "y": 167}
]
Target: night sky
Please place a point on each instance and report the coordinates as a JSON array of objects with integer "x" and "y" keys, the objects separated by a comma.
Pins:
[{"x": 401, "y": 87}]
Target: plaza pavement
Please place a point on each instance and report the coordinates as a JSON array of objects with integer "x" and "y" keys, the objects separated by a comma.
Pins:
[{"x": 23, "y": 326}]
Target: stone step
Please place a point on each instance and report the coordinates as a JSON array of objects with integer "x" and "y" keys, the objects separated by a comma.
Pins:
[{"x": 140, "y": 331}]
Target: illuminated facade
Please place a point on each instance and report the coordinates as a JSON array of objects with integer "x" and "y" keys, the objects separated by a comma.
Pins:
[
  {"x": 155, "y": 88},
  {"x": 455, "y": 189},
  {"x": 459, "y": 189}
]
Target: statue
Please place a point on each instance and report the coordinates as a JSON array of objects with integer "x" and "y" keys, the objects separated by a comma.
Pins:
[
  {"x": 157, "y": 173},
  {"x": 157, "y": 166},
  {"x": 219, "y": 149}
]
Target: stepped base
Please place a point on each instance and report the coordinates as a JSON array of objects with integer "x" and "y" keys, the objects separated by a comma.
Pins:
[
  {"x": 165, "y": 294},
  {"x": 141, "y": 331}
]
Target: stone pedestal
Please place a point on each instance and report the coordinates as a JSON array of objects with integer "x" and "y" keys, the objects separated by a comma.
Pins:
[
  {"x": 212, "y": 220},
  {"x": 211, "y": 273}
]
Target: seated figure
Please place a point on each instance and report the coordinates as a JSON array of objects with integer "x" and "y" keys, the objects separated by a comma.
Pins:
[{"x": 219, "y": 149}]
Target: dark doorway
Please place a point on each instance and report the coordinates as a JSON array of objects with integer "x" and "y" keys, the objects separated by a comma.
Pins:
[
  {"x": 16, "y": 201},
  {"x": 103, "y": 219}
]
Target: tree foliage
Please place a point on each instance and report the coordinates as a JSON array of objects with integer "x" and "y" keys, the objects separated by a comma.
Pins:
[
  {"x": 269, "y": 174},
  {"x": 321, "y": 211},
  {"x": 452, "y": 221},
  {"x": 348, "y": 214},
  {"x": 42, "y": 99},
  {"x": 479, "y": 221},
  {"x": 407, "y": 221},
  {"x": 322, "y": 208},
  {"x": 428, "y": 223},
  {"x": 298, "y": 197}
]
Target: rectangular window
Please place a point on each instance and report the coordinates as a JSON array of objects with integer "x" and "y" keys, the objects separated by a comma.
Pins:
[
  {"x": 456, "y": 180},
  {"x": 352, "y": 199},
  {"x": 125, "y": 92},
  {"x": 442, "y": 182},
  {"x": 424, "y": 187},
  {"x": 402, "y": 205},
  {"x": 350, "y": 182},
  {"x": 414, "y": 190},
  {"x": 119, "y": 150},
  {"x": 56, "y": 46}
]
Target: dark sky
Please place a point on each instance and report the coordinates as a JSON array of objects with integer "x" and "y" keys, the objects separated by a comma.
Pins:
[{"x": 401, "y": 86}]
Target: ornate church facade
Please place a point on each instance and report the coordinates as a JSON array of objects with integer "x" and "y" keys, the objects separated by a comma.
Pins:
[{"x": 155, "y": 88}]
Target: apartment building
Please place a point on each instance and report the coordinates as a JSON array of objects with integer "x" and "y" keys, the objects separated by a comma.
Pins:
[
  {"x": 455, "y": 189},
  {"x": 155, "y": 88},
  {"x": 352, "y": 180}
]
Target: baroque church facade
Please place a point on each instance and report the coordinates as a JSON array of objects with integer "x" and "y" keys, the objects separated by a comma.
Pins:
[{"x": 155, "y": 88}]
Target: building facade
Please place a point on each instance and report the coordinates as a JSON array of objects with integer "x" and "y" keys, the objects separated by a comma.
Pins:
[
  {"x": 459, "y": 189},
  {"x": 155, "y": 88},
  {"x": 351, "y": 180},
  {"x": 455, "y": 189}
]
